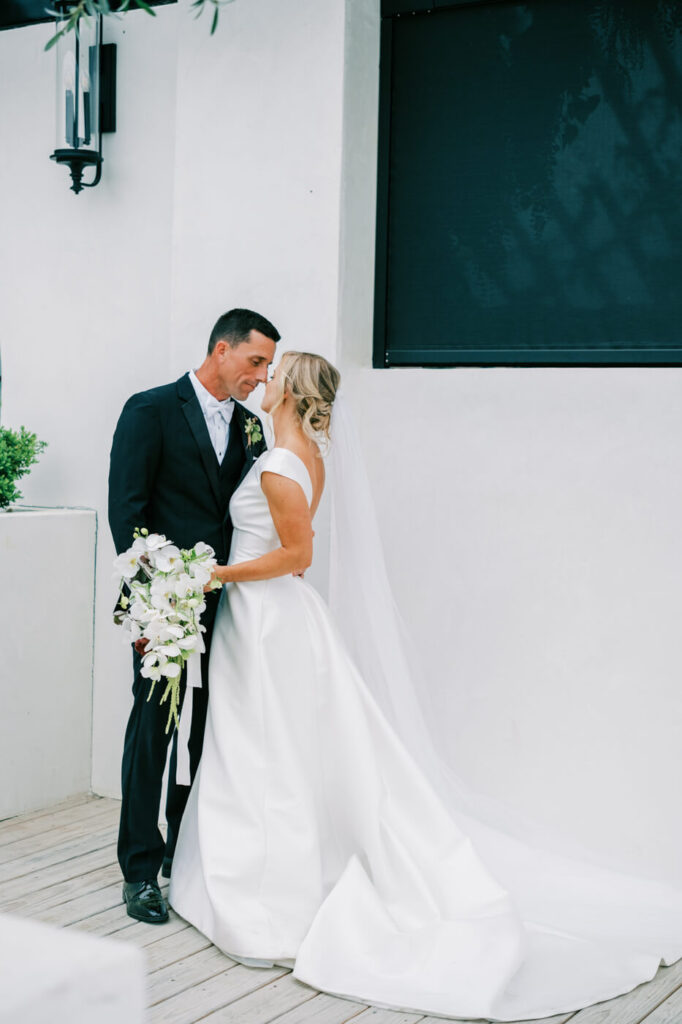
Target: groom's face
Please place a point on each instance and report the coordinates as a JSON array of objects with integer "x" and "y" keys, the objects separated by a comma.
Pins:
[{"x": 243, "y": 368}]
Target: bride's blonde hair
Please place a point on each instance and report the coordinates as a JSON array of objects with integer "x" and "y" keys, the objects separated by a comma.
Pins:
[{"x": 312, "y": 382}]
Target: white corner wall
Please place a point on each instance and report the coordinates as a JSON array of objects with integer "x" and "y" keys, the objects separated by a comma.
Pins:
[{"x": 531, "y": 526}]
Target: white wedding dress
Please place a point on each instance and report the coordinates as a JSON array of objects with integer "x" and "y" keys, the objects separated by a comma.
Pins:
[{"x": 312, "y": 839}]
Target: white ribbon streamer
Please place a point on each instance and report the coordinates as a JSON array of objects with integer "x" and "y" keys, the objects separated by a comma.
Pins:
[{"x": 182, "y": 773}]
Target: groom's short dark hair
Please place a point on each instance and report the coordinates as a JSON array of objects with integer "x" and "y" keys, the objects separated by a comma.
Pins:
[{"x": 235, "y": 326}]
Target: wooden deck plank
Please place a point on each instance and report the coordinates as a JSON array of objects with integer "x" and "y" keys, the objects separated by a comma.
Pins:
[
  {"x": 196, "y": 1003},
  {"x": 10, "y": 831},
  {"x": 485, "y": 1020},
  {"x": 378, "y": 1015},
  {"x": 186, "y": 973},
  {"x": 33, "y": 844},
  {"x": 265, "y": 1004},
  {"x": 68, "y": 870},
  {"x": 105, "y": 922},
  {"x": 633, "y": 1007},
  {"x": 559, "y": 1018},
  {"x": 174, "y": 947},
  {"x": 77, "y": 908},
  {"x": 143, "y": 935},
  {"x": 668, "y": 1012},
  {"x": 322, "y": 1009},
  {"x": 61, "y": 805},
  {"x": 116, "y": 923},
  {"x": 29, "y": 863},
  {"x": 34, "y": 903}
]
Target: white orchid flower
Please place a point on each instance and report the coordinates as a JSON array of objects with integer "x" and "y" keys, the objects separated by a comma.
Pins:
[
  {"x": 203, "y": 551},
  {"x": 171, "y": 650},
  {"x": 151, "y": 672},
  {"x": 161, "y": 585},
  {"x": 131, "y": 630},
  {"x": 188, "y": 643},
  {"x": 158, "y": 624},
  {"x": 126, "y": 565},
  {"x": 157, "y": 651},
  {"x": 152, "y": 630},
  {"x": 172, "y": 670},
  {"x": 155, "y": 541},
  {"x": 171, "y": 632},
  {"x": 201, "y": 573},
  {"x": 138, "y": 610},
  {"x": 166, "y": 559},
  {"x": 184, "y": 585}
]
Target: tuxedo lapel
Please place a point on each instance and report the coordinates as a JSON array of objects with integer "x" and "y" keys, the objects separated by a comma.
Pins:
[
  {"x": 239, "y": 420},
  {"x": 197, "y": 424}
]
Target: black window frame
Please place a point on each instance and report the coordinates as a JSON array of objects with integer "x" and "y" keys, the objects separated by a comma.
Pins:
[{"x": 432, "y": 359}]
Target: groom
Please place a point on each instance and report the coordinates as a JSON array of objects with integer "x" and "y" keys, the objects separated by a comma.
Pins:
[{"x": 179, "y": 453}]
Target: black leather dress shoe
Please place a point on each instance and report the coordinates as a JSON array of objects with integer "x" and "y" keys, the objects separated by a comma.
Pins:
[
  {"x": 166, "y": 867},
  {"x": 144, "y": 902}
]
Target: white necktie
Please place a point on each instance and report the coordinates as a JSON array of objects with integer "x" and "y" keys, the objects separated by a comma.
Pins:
[{"x": 218, "y": 416}]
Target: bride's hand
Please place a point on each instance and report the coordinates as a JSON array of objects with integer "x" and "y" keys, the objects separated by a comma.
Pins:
[{"x": 215, "y": 579}]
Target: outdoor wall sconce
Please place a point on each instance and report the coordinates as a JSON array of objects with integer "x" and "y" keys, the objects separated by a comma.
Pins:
[{"x": 86, "y": 95}]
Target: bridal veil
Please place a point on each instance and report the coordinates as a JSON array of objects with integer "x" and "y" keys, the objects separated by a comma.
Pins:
[{"x": 582, "y": 901}]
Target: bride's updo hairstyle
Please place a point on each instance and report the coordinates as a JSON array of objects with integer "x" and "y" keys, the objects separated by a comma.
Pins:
[{"x": 312, "y": 383}]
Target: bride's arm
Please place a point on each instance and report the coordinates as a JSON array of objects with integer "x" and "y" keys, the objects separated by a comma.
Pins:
[{"x": 291, "y": 516}]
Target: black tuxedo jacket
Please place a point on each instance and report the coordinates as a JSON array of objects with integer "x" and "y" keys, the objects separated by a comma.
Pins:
[{"x": 164, "y": 474}]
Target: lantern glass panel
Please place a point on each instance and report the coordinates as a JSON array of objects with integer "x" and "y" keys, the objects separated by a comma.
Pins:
[{"x": 78, "y": 57}]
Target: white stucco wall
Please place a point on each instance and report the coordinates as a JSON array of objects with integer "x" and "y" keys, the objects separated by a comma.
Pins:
[
  {"x": 85, "y": 314},
  {"x": 221, "y": 187},
  {"x": 530, "y": 520},
  {"x": 529, "y": 516}
]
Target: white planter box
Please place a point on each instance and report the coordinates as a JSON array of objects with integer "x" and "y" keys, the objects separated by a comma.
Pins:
[
  {"x": 47, "y": 567},
  {"x": 55, "y": 976}
]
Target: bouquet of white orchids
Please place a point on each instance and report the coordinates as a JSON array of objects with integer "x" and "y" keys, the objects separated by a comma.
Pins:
[{"x": 163, "y": 605}]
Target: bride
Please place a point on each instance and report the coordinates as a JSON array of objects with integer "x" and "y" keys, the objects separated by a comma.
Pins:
[{"x": 319, "y": 834}]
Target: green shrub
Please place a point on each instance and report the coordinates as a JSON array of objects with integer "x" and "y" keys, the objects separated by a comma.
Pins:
[{"x": 19, "y": 450}]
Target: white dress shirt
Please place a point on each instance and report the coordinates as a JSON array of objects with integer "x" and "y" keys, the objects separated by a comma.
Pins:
[{"x": 217, "y": 415}]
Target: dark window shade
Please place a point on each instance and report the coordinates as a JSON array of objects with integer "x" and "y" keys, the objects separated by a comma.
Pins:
[{"x": 530, "y": 185}]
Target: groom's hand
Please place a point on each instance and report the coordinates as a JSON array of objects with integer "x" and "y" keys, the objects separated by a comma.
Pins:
[{"x": 141, "y": 645}]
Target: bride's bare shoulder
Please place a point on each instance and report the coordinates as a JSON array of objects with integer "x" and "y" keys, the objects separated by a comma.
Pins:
[{"x": 314, "y": 463}]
